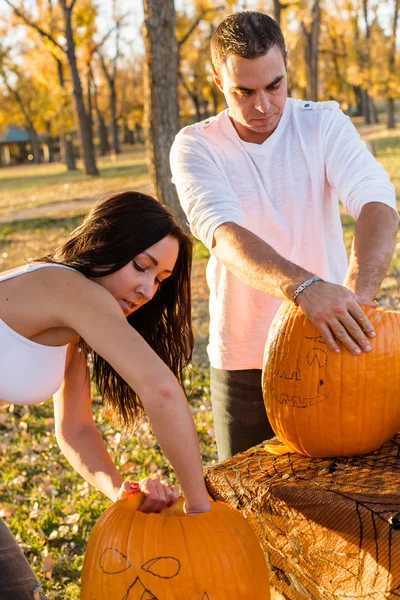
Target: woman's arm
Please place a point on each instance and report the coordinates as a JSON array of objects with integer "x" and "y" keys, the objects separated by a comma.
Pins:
[
  {"x": 90, "y": 310},
  {"x": 83, "y": 446},
  {"x": 78, "y": 438}
]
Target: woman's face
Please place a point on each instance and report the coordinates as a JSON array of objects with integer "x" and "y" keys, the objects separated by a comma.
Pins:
[{"x": 137, "y": 282}]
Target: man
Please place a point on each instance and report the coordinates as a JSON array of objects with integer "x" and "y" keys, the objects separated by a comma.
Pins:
[{"x": 260, "y": 184}]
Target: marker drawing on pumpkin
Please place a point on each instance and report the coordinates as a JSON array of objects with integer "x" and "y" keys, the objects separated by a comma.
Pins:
[
  {"x": 295, "y": 400},
  {"x": 318, "y": 355},
  {"x": 137, "y": 591},
  {"x": 165, "y": 567},
  {"x": 295, "y": 375},
  {"x": 289, "y": 397},
  {"x": 112, "y": 561},
  {"x": 319, "y": 339}
]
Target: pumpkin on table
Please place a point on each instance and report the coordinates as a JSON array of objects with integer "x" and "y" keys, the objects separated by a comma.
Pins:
[
  {"x": 324, "y": 404},
  {"x": 172, "y": 556}
]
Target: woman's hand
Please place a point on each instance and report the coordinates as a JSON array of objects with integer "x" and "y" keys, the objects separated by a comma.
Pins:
[{"x": 157, "y": 495}]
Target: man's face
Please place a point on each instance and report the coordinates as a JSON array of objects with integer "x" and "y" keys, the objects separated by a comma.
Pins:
[{"x": 255, "y": 91}]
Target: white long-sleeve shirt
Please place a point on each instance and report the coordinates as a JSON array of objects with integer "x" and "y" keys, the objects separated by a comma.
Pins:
[{"x": 284, "y": 190}]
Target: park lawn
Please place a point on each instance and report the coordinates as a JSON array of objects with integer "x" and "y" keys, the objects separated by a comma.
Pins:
[
  {"x": 50, "y": 508},
  {"x": 28, "y": 186}
]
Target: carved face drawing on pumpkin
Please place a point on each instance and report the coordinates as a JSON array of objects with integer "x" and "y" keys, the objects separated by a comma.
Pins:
[
  {"x": 132, "y": 555},
  {"x": 114, "y": 562},
  {"x": 321, "y": 403},
  {"x": 290, "y": 378}
]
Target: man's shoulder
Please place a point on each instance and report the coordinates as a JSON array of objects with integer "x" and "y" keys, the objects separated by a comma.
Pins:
[
  {"x": 304, "y": 106},
  {"x": 316, "y": 118},
  {"x": 204, "y": 127}
]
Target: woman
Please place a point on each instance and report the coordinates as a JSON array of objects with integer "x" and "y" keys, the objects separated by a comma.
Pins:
[{"x": 119, "y": 288}]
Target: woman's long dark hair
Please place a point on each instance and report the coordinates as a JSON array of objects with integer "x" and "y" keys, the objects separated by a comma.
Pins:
[{"x": 116, "y": 230}]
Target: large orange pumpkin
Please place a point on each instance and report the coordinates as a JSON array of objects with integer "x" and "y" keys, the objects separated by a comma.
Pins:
[
  {"x": 325, "y": 404},
  {"x": 172, "y": 556}
]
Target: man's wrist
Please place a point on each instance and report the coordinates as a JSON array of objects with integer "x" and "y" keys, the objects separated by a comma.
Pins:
[
  {"x": 361, "y": 287},
  {"x": 304, "y": 286}
]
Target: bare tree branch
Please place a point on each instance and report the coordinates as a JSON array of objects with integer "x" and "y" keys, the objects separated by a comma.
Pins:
[
  {"x": 34, "y": 25},
  {"x": 196, "y": 23},
  {"x": 64, "y": 5},
  {"x": 18, "y": 98},
  {"x": 103, "y": 40}
]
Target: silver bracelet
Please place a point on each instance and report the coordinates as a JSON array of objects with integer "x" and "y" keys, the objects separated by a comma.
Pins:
[{"x": 303, "y": 286}]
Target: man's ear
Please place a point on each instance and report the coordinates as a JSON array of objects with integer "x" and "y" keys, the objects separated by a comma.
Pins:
[
  {"x": 217, "y": 79},
  {"x": 286, "y": 58}
]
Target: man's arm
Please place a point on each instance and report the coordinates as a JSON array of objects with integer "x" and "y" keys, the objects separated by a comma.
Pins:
[
  {"x": 372, "y": 249},
  {"x": 255, "y": 262},
  {"x": 332, "y": 308}
]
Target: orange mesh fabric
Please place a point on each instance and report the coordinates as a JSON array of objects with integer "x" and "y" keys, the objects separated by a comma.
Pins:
[{"x": 327, "y": 525}]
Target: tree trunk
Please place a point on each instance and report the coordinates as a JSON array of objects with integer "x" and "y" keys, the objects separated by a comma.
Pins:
[
  {"x": 114, "y": 122},
  {"x": 192, "y": 95},
  {"x": 390, "y": 114},
  {"x": 110, "y": 78},
  {"x": 35, "y": 145},
  {"x": 103, "y": 135},
  {"x": 161, "y": 99},
  {"x": 277, "y": 11},
  {"x": 366, "y": 107},
  {"x": 329, "y": 527},
  {"x": 205, "y": 109},
  {"x": 89, "y": 112},
  {"x": 373, "y": 111},
  {"x": 311, "y": 34},
  {"x": 139, "y": 135},
  {"x": 50, "y": 143},
  {"x": 84, "y": 125},
  {"x": 129, "y": 135},
  {"x": 368, "y": 111},
  {"x": 102, "y": 128},
  {"x": 357, "y": 95},
  {"x": 392, "y": 67},
  {"x": 214, "y": 97},
  {"x": 68, "y": 151}
]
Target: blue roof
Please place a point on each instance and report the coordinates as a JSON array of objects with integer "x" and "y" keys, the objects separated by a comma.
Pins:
[{"x": 15, "y": 135}]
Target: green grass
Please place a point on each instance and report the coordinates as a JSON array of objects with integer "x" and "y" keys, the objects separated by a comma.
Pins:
[
  {"x": 200, "y": 251},
  {"x": 50, "y": 508},
  {"x": 27, "y": 186},
  {"x": 22, "y": 240}
]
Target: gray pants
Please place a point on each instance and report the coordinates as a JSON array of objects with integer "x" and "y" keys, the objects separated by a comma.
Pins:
[
  {"x": 17, "y": 580},
  {"x": 240, "y": 420}
]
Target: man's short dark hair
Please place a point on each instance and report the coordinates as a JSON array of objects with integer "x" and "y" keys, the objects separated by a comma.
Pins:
[{"x": 247, "y": 34}]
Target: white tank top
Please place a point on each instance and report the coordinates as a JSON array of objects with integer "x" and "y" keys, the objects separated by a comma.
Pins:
[{"x": 29, "y": 372}]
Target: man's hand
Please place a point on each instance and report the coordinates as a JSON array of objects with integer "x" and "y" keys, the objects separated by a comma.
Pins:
[{"x": 336, "y": 312}]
